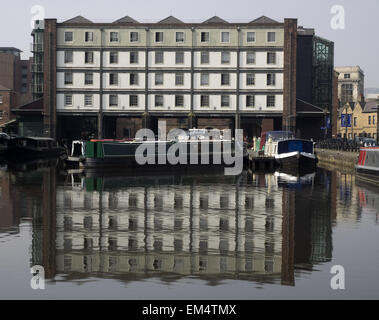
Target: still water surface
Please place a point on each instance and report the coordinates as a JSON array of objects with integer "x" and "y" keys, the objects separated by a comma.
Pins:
[{"x": 187, "y": 235}]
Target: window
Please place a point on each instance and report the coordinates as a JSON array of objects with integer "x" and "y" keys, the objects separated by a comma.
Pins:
[
  {"x": 88, "y": 100},
  {"x": 158, "y": 78},
  {"x": 159, "y": 100},
  {"x": 180, "y": 37},
  {"x": 355, "y": 121},
  {"x": 68, "y": 78},
  {"x": 88, "y": 36},
  {"x": 113, "y": 57},
  {"x": 133, "y": 57},
  {"x": 204, "y": 57},
  {"x": 1, "y": 114},
  {"x": 369, "y": 119},
  {"x": 225, "y": 37},
  {"x": 179, "y": 57},
  {"x": 88, "y": 78},
  {"x": 113, "y": 100},
  {"x": 133, "y": 100},
  {"x": 179, "y": 101},
  {"x": 68, "y": 57},
  {"x": 204, "y": 37},
  {"x": 179, "y": 79},
  {"x": 88, "y": 57},
  {"x": 271, "y": 58},
  {"x": 68, "y": 36},
  {"x": 250, "y": 101},
  {"x": 68, "y": 99},
  {"x": 159, "y": 37},
  {"x": 250, "y": 57},
  {"x": 113, "y": 79},
  {"x": 250, "y": 79},
  {"x": 271, "y": 36},
  {"x": 1, "y": 99},
  {"x": 113, "y": 37},
  {"x": 373, "y": 119},
  {"x": 204, "y": 79},
  {"x": 204, "y": 101},
  {"x": 250, "y": 36},
  {"x": 271, "y": 79},
  {"x": 225, "y": 57},
  {"x": 225, "y": 79},
  {"x": 133, "y": 36},
  {"x": 133, "y": 79},
  {"x": 270, "y": 102},
  {"x": 346, "y": 76},
  {"x": 346, "y": 93},
  {"x": 159, "y": 57},
  {"x": 225, "y": 101}
]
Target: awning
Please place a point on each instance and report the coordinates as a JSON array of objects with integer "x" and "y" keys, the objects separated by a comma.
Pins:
[{"x": 8, "y": 123}]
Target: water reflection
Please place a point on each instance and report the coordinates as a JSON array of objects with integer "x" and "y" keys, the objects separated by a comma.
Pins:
[{"x": 254, "y": 227}]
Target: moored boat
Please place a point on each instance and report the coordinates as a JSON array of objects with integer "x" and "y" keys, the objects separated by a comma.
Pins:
[
  {"x": 293, "y": 155},
  {"x": 368, "y": 165},
  {"x": 26, "y": 148}
]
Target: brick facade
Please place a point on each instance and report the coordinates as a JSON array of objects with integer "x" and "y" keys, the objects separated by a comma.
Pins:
[
  {"x": 50, "y": 77},
  {"x": 290, "y": 57}
]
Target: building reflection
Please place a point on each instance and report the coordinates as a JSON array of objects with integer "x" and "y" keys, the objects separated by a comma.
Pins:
[{"x": 256, "y": 227}]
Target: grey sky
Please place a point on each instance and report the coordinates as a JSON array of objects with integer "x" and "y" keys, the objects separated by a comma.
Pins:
[{"x": 356, "y": 45}]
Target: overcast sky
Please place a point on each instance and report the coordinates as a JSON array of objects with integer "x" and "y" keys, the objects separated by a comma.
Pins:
[{"x": 357, "y": 44}]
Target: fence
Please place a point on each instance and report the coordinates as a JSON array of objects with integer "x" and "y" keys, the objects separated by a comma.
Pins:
[{"x": 339, "y": 144}]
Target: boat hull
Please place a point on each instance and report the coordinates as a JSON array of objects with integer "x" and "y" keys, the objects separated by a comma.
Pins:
[{"x": 297, "y": 162}]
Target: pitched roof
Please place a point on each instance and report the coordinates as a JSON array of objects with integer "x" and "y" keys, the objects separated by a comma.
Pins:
[
  {"x": 170, "y": 20},
  {"x": 263, "y": 19},
  {"x": 2, "y": 88},
  {"x": 215, "y": 19},
  {"x": 126, "y": 19},
  {"x": 78, "y": 19},
  {"x": 371, "y": 106},
  {"x": 36, "y": 105}
]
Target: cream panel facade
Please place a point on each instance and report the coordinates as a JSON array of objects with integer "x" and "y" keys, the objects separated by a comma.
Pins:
[
  {"x": 261, "y": 60},
  {"x": 215, "y": 103},
  {"x": 215, "y": 81},
  {"x": 169, "y": 103},
  {"x": 123, "y": 103},
  {"x": 215, "y": 60},
  {"x": 124, "y": 37},
  {"x": 78, "y": 37},
  {"x": 261, "y": 103},
  {"x": 124, "y": 60},
  {"x": 169, "y": 37},
  {"x": 169, "y": 60},
  {"x": 169, "y": 81},
  {"x": 261, "y": 37},
  {"x": 78, "y": 81},
  {"x": 123, "y": 81},
  {"x": 78, "y": 102},
  {"x": 261, "y": 81},
  {"x": 78, "y": 60}
]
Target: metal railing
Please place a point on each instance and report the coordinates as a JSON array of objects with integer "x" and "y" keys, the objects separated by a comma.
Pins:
[{"x": 339, "y": 144}]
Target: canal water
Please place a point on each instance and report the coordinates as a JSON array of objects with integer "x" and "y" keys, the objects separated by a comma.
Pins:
[{"x": 187, "y": 235}]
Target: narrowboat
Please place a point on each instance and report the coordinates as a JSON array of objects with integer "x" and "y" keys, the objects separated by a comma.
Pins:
[
  {"x": 26, "y": 148},
  {"x": 291, "y": 154},
  {"x": 368, "y": 165},
  {"x": 121, "y": 153}
]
